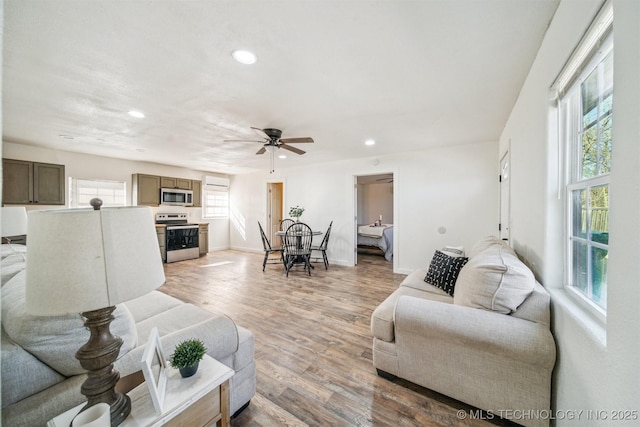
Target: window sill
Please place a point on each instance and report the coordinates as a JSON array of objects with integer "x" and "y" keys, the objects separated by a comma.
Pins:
[{"x": 593, "y": 325}]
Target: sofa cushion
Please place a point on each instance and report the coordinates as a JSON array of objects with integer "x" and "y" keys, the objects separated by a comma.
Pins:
[
  {"x": 56, "y": 339},
  {"x": 494, "y": 279},
  {"x": 443, "y": 271},
  {"x": 149, "y": 305},
  {"x": 382, "y": 323},
  {"x": 415, "y": 280},
  {"x": 23, "y": 374},
  {"x": 13, "y": 261},
  {"x": 218, "y": 332}
]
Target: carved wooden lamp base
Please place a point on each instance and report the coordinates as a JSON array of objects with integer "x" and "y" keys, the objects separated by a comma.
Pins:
[{"x": 97, "y": 357}]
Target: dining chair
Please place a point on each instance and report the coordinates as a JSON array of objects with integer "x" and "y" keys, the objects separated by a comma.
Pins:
[
  {"x": 284, "y": 224},
  {"x": 297, "y": 246},
  {"x": 322, "y": 248},
  {"x": 268, "y": 250}
]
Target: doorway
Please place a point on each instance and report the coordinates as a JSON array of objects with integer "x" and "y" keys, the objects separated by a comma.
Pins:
[
  {"x": 374, "y": 200},
  {"x": 274, "y": 209}
]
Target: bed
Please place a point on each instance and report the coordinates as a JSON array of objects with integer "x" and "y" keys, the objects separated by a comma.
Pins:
[{"x": 378, "y": 236}]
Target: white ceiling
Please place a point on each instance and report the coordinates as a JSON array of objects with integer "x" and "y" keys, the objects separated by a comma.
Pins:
[{"x": 409, "y": 74}]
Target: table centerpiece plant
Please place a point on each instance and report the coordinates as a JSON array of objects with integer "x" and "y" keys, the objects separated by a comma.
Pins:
[
  {"x": 187, "y": 356},
  {"x": 296, "y": 212}
]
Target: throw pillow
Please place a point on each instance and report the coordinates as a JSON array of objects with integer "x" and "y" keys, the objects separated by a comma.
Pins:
[
  {"x": 55, "y": 339},
  {"x": 495, "y": 279},
  {"x": 443, "y": 271},
  {"x": 454, "y": 251}
]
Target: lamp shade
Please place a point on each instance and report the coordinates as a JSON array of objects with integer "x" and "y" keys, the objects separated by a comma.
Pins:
[
  {"x": 14, "y": 221},
  {"x": 81, "y": 260}
]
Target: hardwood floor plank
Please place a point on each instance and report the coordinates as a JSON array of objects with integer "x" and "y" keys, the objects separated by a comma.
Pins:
[{"x": 312, "y": 341}]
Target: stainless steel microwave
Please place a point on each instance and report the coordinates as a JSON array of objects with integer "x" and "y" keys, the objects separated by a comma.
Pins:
[{"x": 176, "y": 197}]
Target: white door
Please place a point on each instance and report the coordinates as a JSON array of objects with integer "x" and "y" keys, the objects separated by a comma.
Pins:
[{"x": 505, "y": 180}]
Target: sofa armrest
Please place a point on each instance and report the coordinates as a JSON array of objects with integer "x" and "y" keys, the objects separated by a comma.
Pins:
[{"x": 491, "y": 333}]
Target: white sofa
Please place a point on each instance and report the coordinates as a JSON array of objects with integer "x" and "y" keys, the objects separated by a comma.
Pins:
[
  {"x": 41, "y": 377},
  {"x": 489, "y": 345}
]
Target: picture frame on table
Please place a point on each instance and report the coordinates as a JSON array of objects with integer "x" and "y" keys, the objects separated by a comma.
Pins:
[{"x": 154, "y": 369}]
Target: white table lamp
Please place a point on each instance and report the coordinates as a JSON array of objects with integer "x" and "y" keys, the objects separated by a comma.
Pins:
[{"x": 87, "y": 261}]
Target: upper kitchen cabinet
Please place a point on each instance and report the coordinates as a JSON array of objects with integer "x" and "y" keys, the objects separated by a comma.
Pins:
[
  {"x": 196, "y": 187},
  {"x": 145, "y": 189},
  {"x": 26, "y": 183},
  {"x": 181, "y": 183}
]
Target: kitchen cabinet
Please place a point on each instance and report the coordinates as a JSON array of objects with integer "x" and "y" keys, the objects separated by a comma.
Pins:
[
  {"x": 203, "y": 238},
  {"x": 145, "y": 190},
  {"x": 196, "y": 187},
  {"x": 26, "y": 183},
  {"x": 181, "y": 183}
]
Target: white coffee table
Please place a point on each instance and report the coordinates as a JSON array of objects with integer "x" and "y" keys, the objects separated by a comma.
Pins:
[{"x": 201, "y": 400}]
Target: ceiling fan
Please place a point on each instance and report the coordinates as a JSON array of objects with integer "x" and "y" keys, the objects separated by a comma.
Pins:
[{"x": 271, "y": 141}]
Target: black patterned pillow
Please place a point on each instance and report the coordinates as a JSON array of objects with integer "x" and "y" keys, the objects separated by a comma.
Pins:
[{"x": 443, "y": 271}]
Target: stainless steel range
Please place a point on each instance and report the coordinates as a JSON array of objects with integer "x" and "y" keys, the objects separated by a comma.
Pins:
[{"x": 182, "y": 238}]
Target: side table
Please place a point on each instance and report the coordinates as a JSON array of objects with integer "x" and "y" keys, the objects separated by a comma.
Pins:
[{"x": 200, "y": 400}]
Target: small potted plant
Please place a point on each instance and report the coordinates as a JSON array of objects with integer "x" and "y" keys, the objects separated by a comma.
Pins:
[
  {"x": 187, "y": 356},
  {"x": 296, "y": 212}
]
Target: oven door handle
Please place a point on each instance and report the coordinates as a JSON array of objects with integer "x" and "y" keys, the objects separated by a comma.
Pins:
[{"x": 181, "y": 227}]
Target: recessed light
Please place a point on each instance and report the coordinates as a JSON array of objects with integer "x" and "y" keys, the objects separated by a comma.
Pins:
[
  {"x": 369, "y": 142},
  {"x": 282, "y": 156},
  {"x": 244, "y": 56},
  {"x": 136, "y": 114}
]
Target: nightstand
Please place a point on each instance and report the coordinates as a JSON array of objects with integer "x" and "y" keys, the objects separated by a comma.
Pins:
[{"x": 201, "y": 400}]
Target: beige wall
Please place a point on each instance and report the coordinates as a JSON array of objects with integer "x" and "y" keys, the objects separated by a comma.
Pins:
[{"x": 376, "y": 200}]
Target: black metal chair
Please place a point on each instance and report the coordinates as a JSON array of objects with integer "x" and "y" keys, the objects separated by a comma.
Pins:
[
  {"x": 297, "y": 246},
  {"x": 322, "y": 248},
  {"x": 268, "y": 250}
]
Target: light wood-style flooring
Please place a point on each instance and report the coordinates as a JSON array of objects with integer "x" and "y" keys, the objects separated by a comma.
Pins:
[{"x": 313, "y": 342}]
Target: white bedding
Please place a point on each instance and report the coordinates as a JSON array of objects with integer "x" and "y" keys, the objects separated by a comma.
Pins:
[
  {"x": 372, "y": 230},
  {"x": 384, "y": 241}
]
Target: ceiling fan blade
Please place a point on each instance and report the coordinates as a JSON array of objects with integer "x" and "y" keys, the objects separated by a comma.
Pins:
[
  {"x": 242, "y": 140},
  {"x": 261, "y": 132},
  {"x": 295, "y": 150},
  {"x": 261, "y": 151},
  {"x": 295, "y": 140}
]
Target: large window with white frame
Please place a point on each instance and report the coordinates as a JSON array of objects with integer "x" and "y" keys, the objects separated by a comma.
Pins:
[
  {"x": 586, "y": 118},
  {"x": 81, "y": 191}
]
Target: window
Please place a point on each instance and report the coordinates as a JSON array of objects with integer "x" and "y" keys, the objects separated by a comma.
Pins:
[
  {"x": 586, "y": 117},
  {"x": 216, "y": 204},
  {"x": 81, "y": 191}
]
